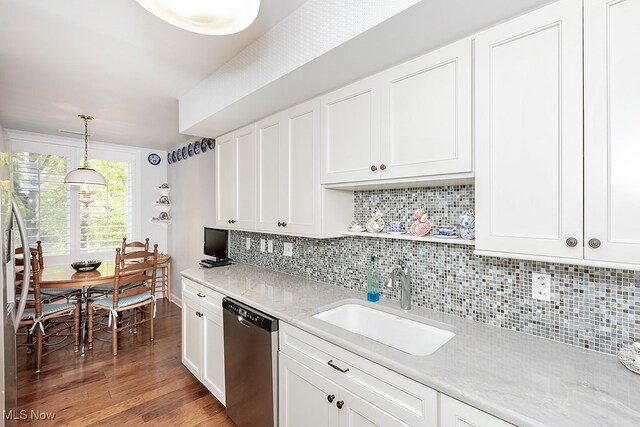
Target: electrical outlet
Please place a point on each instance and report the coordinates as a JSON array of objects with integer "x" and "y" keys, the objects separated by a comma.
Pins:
[
  {"x": 263, "y": 245},
  {"x": 270, "y": 246},
  {"x": 248, "y": 246},
  {"x": 541, "y": 286},
  {"x": 287, "y": 249}
]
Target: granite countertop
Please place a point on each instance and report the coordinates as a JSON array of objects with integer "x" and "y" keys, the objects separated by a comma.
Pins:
[{"x": 525, "y": 380}]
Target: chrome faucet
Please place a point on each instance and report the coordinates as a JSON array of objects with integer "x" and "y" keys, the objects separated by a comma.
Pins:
[{"x": 402, "y": 275}]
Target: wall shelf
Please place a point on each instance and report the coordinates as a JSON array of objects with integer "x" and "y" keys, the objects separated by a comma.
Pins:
[{"x": 432, "y": 239}]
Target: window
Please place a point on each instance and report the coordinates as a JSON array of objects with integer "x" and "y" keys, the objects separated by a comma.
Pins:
[
  {"x": 69, "y": 230},
  {"x": 105, "y": 221},
  {"x": 38, "y": 183}
]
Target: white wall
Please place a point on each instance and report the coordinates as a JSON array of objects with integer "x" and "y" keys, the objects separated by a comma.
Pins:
[
  {"x": 146, "y": 177},
  {"x": 192, "y": 184}
]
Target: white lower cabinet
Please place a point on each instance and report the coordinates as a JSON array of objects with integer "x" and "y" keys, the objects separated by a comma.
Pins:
[
  {"x": 202, "y": 336},
  {"x": 454, "y": 413},
  {"x": 325, "y": 385}
]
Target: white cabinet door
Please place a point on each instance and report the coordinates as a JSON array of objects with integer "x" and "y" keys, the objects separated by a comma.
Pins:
[
  {"x": 225, "y": 171},
  {"x": 612, "y": 130},
  {"x": 244, "y": 188},
  {"x": 454, "y": 413},
  {"x": 191, "y": 337},
  {"x": 305, "y": 398},
  {"x": 300, "y": 187},
  {"x": 213, "y": 354},
  {"x": 529, "y": 134},
  {"x": 426, "y": 114},
  {"x": 357, "y": 412},
  {"x": 269, "y": 167},
  {"x": 351, "y": 133}
]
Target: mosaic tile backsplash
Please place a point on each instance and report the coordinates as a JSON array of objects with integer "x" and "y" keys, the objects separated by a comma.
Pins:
[{"x": 594, "y": 308}]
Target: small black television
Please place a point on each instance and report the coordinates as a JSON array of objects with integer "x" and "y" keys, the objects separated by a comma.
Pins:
[{"x": 216, "y": 243}]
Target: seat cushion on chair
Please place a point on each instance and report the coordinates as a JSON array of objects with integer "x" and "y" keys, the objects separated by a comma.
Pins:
[
  {"x": 123, "y": 302},
  {"x": 103, "y": 288},
  {"x": 58, "y": 292},
  {"x": 47, "y": 310}
]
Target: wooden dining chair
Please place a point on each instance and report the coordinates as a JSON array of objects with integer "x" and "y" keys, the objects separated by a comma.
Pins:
[
  {"x": 45, "y": 320},
  {"x": 127, "y": 247},
  {"x": 138, "y": 302},
  {"x": 47, "y": 295},
  {"x": 106, "y": 289}
]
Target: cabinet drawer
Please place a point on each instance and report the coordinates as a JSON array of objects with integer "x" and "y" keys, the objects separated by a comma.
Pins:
[
  {"x": 205, "y": 297},
  {"x": 401, "y": 397}
]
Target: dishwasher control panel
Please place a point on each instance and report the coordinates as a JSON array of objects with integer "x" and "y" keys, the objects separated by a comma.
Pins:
[{"x": 250, "y": 314}]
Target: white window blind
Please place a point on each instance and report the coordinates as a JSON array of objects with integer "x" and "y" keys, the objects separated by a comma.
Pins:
[
  {"x": 43, "y": 198},
  {"x": 104, "y": 222}
]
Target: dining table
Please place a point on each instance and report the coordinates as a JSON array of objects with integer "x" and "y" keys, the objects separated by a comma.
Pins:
[{"x": 65, "y": 276}]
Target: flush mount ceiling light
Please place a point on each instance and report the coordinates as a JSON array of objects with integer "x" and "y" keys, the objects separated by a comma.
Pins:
[
  {"x": 84, "y": 175},
  {"x": 211, "y": 17}
]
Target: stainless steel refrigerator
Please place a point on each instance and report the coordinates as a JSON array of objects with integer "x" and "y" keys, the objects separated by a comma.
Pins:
[{"x": 11, "y": 311}]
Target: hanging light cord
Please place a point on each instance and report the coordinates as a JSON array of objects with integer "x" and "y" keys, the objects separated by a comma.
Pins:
[{"x": 86, "y": 139}]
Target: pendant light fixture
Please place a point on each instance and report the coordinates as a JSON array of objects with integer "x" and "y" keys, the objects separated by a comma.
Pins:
[
  {"x": 84, "y": 176},
  {"x": 208, "y": 17}
]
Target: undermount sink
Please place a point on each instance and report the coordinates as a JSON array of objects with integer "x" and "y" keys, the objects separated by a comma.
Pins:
[{"x": 398, "y": 332}]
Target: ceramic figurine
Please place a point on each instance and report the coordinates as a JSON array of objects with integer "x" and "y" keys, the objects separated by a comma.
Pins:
[
  {"x": 421, "y": 226},
  {"x": 356, "y": 226},
  {"x": 375, "y": 224},
  {"x": 468, "y": 233}
]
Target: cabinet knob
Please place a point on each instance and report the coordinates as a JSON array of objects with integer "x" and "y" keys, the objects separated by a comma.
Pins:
[
  {"x": 233, "y": 221},
  {"x": 340, "y": 404},
  {"x": 284, "y": 224},
  {"x": 201, "y": 295},
  {"x": 383, "y": 167},
  {"x": 594, "y": 243},
  {"x": 374, "y": 168},
  {"x": 229, "y": 221},
  {"x": 331, "y": 397},
  {"x": 571, "y": 242},
  {"x": 279, "y": 224}
]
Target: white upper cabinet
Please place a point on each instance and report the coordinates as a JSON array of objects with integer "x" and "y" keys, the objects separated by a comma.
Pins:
[
  {"x": 528, "y": 129},
  {"x": 235, "y": 179},
  {"x": 351, "y": 133},
  {"x": 426, "y": 114},
  {"x": 612, "y": 130},
  {"x": 408, "y": 122},
  {"x": 288, "y": 177}
]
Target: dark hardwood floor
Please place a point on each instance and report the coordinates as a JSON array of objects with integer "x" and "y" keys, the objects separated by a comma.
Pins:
[{"x": 145, "y": 384}]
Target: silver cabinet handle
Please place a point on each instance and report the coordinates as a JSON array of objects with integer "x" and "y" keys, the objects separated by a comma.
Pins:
[
  {"x": 243, "y": 322},
  {"x": 336, "y": 367},
  {"x": 374, "y": 168},
  {"x": 594, "y": 243},
  {"x": 571, "y": 242},
  {"x": 201, "y": 295}
]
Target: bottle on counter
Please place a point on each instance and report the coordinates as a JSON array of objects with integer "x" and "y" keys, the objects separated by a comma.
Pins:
[{"x": 373, "y": 280}]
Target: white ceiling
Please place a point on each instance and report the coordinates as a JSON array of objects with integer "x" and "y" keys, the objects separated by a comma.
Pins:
[{"x": 111, "y": 59}]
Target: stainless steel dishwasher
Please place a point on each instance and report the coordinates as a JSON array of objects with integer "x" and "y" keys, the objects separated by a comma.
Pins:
[{"x": 250, "y": 365}]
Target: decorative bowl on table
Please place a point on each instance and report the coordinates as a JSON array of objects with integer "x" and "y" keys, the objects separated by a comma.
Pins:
[{"x": 84, "y": 266}]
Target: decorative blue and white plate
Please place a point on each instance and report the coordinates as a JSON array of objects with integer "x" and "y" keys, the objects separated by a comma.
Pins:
[
  {"x": 196, "y": 148},
  {"x": 154, "y": 159},
  {"x": 203, "y": 145},
  {"x": 174, "y": 156},
  {"x": 169, "y": 158},
  {"x": 184, "y": 152},
  {"x": 212, "y": 143},
  {"x": 190, "y": 149},
  {"x": 179, "y": 151}
]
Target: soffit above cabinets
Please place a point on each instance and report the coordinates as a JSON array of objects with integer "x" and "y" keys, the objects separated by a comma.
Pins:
[{"x": 327, "y": 44}]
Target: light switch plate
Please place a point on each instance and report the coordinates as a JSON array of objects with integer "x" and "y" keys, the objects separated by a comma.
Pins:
[
  {"x": 270, "y": 246},
  {"x": 263, "y": 245},
  {"x": 287, "y": 249},
  {"x": 541, "y": 286},
  {"x": 248, "y": 243}
]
